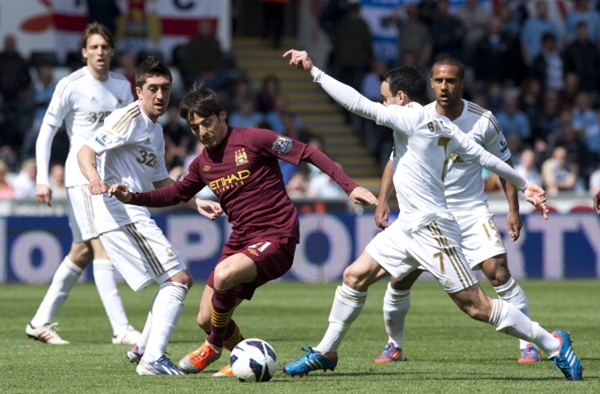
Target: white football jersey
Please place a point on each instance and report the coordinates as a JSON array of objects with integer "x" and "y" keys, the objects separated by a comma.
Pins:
[
  {"x": 132, "y": 149},
  {"x": 83, "y": 103},
  {"x": 464, "y": 184},
  {"x": 429, "y": 140}
]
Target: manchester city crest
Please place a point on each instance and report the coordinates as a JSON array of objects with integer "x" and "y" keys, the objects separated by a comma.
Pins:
[{"x": 240, "y": 157}]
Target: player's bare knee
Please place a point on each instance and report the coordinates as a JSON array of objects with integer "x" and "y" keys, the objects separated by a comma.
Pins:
[
  {"x": 351, "y": 279},
  {"x": 81, "y": 255},
  {"x": 496, "y": 270},
  {"x": 395, "y": 283},
  {"x": 407, "y": 282},
  {"x": 219, "y": 276},
  {"x": 95, "y": 245},
  {"x": 223, "y": 278},
  {"x": 188, "y": 282},
  {"x": 184, "y": 278}
]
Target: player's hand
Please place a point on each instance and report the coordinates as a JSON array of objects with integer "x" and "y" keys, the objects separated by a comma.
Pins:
[
  {"x": 382, "y": 215},
  {"x": 299, "y": 59},
  {"x": 514, "y": 222},
  {"x": 537, "y": 196},
  {"x": 596, "y": 203},
  {"x": 98, "y": 187},
  {"x": 362, "y": 196},
  {"x": 119, "y": 191},
  {"x": 43, "y": 194},
  {"x": 209, "y": 209}
]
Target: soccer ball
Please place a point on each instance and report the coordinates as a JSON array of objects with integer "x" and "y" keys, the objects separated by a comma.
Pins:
[{"x": 253, "y": 360}]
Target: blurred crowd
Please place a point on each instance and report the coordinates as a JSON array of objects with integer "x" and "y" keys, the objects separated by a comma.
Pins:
[
  {"x": 539, "y": 77},
  {"x": 27, "y": 86}
]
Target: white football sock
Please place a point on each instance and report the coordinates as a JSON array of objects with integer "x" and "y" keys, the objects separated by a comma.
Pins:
[
  {"x": 141, "y": 344},
  {"x": 166, "y": 309},
  {"x": 396, "y": 304},
  {"x": 512, "y": 293},
  {"x": 347, "y": 305},
  {"x": 507, "y": 318},
  {"x": 106, "y": 283},
  {"x": 64, "y": 278}
]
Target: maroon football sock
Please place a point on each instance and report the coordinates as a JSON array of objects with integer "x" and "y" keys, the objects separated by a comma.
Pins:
[
  {"x": 223, "y": 302},
  {"x": 233, "y": 336}
]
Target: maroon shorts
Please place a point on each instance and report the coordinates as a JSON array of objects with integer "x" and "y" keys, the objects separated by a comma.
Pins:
[{"x": 273, "y": 257}]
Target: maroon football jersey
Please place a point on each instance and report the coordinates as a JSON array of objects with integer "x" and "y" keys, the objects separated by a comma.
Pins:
[{"x": 243, "y": 171}]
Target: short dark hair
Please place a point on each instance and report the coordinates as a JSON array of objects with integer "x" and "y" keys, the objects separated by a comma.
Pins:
[
  {"x": 407, "y": 79},
  {"x": 200, "y": 100},
  {"x": 96, "y": 28},
  {"x": 448, "y": 60},
  {"x": 151, "y": 67}
]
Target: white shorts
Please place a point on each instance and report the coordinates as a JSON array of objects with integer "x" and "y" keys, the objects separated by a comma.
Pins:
[
  {"x": 481, "y": 240},
  {"x": 81, "y": 213},
  {"x": 142, "y": 254},
  {"x": 434, "y": 248}
]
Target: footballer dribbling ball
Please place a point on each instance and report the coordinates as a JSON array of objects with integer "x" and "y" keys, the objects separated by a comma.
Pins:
[{"x": 253, "y": 360}]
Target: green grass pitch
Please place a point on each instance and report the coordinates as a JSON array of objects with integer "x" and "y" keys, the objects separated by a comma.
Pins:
[{"x": 447, "y": 351}]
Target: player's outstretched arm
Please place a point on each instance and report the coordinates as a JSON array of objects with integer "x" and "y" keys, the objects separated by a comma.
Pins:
[
  {"x": 120, "y": 192},
  {"x": 343, "y": 94},
  {"x": 207, "y": 208},
  {"x": 537, "y": 196},
  {"x": 470, "y": 150},
  {"x": 360, "y": 195}
]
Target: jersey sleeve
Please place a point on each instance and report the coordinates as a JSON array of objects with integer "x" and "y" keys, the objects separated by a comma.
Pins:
[
  {"x": 494, "y": 141},
  {"x": 270, "y": 143},
  {"x": 183, "y": 189},
  {"x": 106, "y": 139},
  {"x": 43, "y": 151},
  {"x": 293, "y": 151},
  {"x": 164, "y": 197},
  {"x": 190, "y": 183},
  {"x": 117, "y": 130},
  {"x": 470, "y": 150},
  {"x": 58, "y": 109},
  {"x": 60, "y": 104},
  {"x": 329, "y": 167}
]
